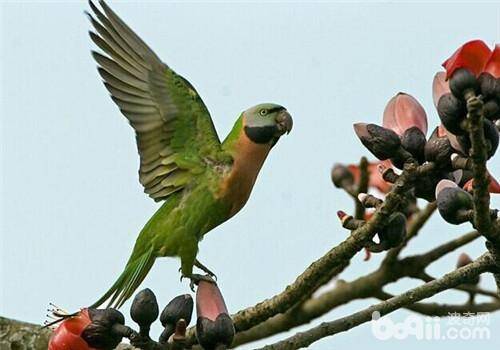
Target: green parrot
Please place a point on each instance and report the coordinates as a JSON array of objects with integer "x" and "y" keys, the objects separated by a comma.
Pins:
[{"x": 201, "y": 181}]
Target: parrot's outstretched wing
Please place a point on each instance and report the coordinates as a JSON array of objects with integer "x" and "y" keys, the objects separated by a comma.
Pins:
[{"x": 174, "y": 131}]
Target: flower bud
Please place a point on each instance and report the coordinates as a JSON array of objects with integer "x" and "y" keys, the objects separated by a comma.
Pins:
[
  {"x": 403, "y": 112},
  {"x": 89, "y": 329},
  {"x": 490, "y": 134},
  {"x": 381, "y": 142},
  {"x": 425, "y": 187},
  {"x": 67, "y": 335},
  {"x": 452, "y": 112},
  {"x": 438, "y": 149},
  {"x": 439, "y": 87},
  {"x": 394, "y": 232},
  {"x": 453, "y": 202},
  {"x": 341, "y": 176},
  {"x": 181, "y": 307},
  {"x": 99, "y": 334},
  {"x": 144, "y": 309},
  {"x": 413, "y": 140},
  {"x": 461, "y": 81},
  {"x": 214, "y": 327},
  {"x": 491, "y": 110},
  {"x": 487, "y": 85},
  {"x": 464, "y": 260}
]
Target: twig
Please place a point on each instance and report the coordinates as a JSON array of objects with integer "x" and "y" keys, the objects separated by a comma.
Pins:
[
  {"x": 448, "y": 247},
  {"x": 450, "y": 280},
  {"x": 481, "y": 196},
  {"x": 344, "y": 292},
  {"x": 466, "y": 288},
  {"x": 361, "y": 188},
  {"x": 436, "y": 309}
]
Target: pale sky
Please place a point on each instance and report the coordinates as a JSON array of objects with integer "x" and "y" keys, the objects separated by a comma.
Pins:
[{"x": 72, "y": 205}]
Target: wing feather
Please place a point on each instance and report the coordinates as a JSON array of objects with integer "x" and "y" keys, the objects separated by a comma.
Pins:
[{"x": 174, "y": 131}]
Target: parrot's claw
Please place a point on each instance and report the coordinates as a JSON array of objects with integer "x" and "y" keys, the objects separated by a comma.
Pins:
[
  {"x": 205, "y": 269},
  {"x": 196, "y": 278}
]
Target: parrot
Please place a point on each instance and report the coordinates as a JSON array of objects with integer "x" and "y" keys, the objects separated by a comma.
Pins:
[{"x": 201, "y": 181}]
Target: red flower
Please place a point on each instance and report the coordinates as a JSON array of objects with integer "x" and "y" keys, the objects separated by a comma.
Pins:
[
  {"x": 375, "y": 179},
  {"x": 67, "y": 336},
  {"x": 494, "y": 186},
  {"x": 493, "y": 64},
  {"x": 402, "y": 112},
  {"x": 473, "y": 55}
]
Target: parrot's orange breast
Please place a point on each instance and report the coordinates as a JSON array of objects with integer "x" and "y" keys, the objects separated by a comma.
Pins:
[{"x": 238, "y": 182}]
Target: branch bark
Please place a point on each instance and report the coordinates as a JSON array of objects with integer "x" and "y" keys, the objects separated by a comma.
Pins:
[{"x": 450, "y": 280}]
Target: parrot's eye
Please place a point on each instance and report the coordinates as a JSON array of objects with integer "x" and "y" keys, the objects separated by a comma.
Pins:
[{"x": 263, "y": 112}]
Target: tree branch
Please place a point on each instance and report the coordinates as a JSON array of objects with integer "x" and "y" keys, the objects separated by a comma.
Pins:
[
  {"x": 443, "y": 310},
  {"x": 450, "y": 280},
  {"x": 344, "y": 292}
]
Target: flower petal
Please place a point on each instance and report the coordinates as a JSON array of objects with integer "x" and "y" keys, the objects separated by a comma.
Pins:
[
  {"x": 209, "y": 301},
  {"x": 442, "y": 132},
  {"x": 493, "y": 187},
  {"x": 473, "y": 55},
  {"x": 402, "y": 112},
  {"x": 439, "y": 87},
  {"x": 493, "y": 64},
  {"x": 67, "y": 336},
  {"x": 375, "y": 179},
  {"x": 444, "y": 184}
]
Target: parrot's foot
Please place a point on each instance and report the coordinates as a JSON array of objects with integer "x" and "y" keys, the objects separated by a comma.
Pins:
[
  {"x": 205, "y": 269},
  {"x": 196, "y": 278}
]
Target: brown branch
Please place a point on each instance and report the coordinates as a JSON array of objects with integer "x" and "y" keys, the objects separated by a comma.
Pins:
[
  {"x": 445, "y": 248},
  {"x": 466, "y": 288},
  {"x": 361, "y": 188},
  {"x": 344, "y": 292},
  {"x": 478, "y": 154},
  {"x": 443, "y": 310},
  {"x": 481, "y": 196},
  {"x": 450, "y": 280}
]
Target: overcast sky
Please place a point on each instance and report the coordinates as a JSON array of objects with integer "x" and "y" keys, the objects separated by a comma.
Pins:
[{"x": 72, "y": 205}]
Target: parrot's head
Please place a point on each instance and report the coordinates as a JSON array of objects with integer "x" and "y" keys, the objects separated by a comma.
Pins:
[{"x": 266, "y": 123}]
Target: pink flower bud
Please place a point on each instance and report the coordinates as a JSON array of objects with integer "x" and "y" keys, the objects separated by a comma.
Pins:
[
  {"x": 439, "y": 87},
  {"x": 214, "y": 326},
  {"x": 463, "y": 260},
  {"x": 402, "y": 112}
]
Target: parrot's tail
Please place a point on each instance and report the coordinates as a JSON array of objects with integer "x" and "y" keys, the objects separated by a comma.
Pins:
[{"x": 136, "y": 270}]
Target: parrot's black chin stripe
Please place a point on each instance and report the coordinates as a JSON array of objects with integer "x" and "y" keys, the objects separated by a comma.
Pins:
[{"x": 263, "y": 134}]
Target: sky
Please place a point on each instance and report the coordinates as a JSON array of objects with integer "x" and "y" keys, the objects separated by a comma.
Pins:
[{"x": 71, "y": 203}]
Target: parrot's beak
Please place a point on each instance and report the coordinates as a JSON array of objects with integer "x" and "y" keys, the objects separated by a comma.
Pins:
[{"x": 284, "y": 122}]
